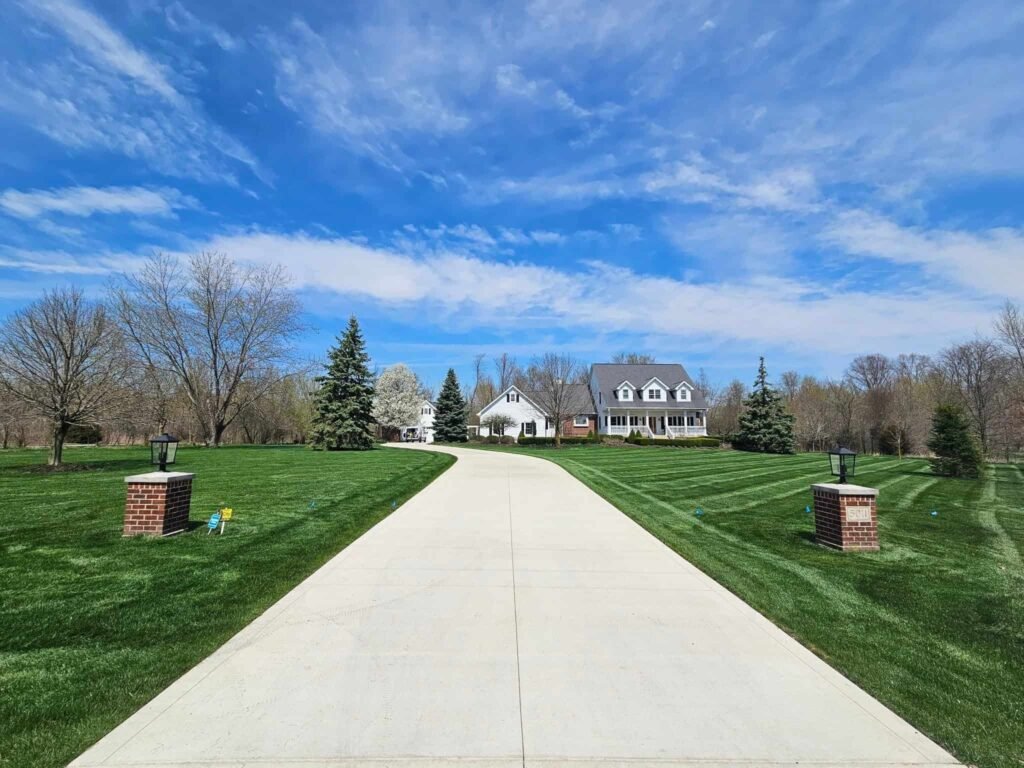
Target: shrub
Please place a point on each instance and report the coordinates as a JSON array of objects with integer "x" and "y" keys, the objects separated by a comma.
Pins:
[
  {"x": 567, "y": 440},
  {"x": 677, "y": 442},
  {"x": 84, "y": 433}
]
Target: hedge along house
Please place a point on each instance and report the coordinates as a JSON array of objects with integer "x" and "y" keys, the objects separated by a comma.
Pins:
[
  {"x": 528, "y": 419},
  {"x": 656, "y": 400}
]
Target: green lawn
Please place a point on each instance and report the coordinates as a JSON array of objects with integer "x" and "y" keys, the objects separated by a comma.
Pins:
[
  {"x": 933, "y": 625},
  {"x": 92, "y": 625}
]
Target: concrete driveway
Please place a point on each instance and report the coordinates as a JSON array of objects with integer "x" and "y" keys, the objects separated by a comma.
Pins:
[{"x": 508, "y": 616}]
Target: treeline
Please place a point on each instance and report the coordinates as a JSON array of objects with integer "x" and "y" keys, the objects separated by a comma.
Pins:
[
  {"x": 886, "y": 404},
  {"x": 205, "y": 348}
]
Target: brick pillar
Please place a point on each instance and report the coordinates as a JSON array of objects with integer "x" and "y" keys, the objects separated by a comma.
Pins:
[
  {"x": 157, "y": 503},
  {"x": 846, "y": 517}
]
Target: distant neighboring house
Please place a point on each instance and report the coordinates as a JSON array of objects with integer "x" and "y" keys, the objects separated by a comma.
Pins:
[
  {"x": 423, "y": 430},
  {"x": 529, "y": 419},
  {"x": 657, "y": 400}
]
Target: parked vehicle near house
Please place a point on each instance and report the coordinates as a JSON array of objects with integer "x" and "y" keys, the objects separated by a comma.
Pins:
[{"x": 423, "y": 430}]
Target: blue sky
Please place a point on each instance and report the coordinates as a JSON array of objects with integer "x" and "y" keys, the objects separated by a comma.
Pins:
[{"x": 706, "y": 182}]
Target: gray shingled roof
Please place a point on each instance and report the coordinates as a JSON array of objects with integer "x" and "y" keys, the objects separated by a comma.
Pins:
[
  {"x": 610, "y": 375},
  {"x": 582, "y": 395}
]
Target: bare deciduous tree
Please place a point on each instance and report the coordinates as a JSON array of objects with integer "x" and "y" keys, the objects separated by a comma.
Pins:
[
  {"x": 215, "y": 326},
  {"x": 507, "y": 369},
  {"x": 558, "y": 385},
  {"x": 977, "y": 370},
  {"x": 873, "y": 376},
  {"x": 63, "y": 357},
  {"x": 633, "y": 358},
  {"x": 724, "y": 413}
]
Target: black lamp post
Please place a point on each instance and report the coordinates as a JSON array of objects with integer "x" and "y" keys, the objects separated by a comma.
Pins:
[
  {"x": 843, "y": 462},
  {"x": 163, "y": 450}
]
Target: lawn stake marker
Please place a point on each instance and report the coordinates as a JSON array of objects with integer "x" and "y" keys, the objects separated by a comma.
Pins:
[
  {"x": 807, "y": 509},
  {"x": 214, "y": 522},
  {"x": 699, "y": 512},
  {"x": 934, "y": 513},
  {"x": 312, "y": 506},
  {"x": 225, "y": 515},
  {"x": 394, "y": 504}
]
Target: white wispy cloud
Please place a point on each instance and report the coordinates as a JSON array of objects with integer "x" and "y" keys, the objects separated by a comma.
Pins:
[
  {"x": 182, "y": 20},
  {"x": 92, "y": 89},
  {"x": 990, "y": 262},
  {"x": 88, "y": 201},
  {"x": 443, "y": 286}
]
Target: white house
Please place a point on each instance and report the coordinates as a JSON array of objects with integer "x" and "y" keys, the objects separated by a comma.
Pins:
[
  {"x": 423, "y": 430},
  {"x": 527, "y": 417},
  {"x": 657, "y": 400}
]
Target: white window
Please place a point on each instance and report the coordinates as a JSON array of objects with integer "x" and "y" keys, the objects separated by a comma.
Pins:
[
  {"x": 689, "y": 421},
  {"x": 635, "y": 421},
  {"x": 529, "y": 429},
  {"x": 654, "y": 394},
  {"x": 675, "y": 421},
  {"x": 625, "y": 394},
  {"x": 618, "y": 421},
  {"x": 581, "y": 421}
]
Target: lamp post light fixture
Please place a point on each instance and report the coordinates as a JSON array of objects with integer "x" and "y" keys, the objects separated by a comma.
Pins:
[
  {"x": 163, "y": 450},
  {"x": 843, "y": 462}
]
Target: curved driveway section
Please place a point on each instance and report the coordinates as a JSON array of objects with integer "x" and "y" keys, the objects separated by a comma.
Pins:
[{"x": 509, "y": 616}]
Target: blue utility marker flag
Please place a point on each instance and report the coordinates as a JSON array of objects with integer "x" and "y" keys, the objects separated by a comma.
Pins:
[
  {"x": 807, "y": 509},
  {"x": 934, "y": 513},
  {"x": 394, "y": 504},
  {"x": 214, "y": 521},
  {"x": 312, "y": 506},
  {"x": 699, "y": 511}
]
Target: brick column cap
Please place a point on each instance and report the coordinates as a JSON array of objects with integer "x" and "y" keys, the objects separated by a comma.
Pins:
[
  {"x": 158, "y": 478},
  {"x": 845, "y": 489}
]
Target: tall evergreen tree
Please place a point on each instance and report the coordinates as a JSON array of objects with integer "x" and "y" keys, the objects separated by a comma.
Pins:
[
  {"x": 450, "y": 414},
  {"x": 765, "y": 426},
  {"x": 956, "y": 452},
  {"x": 343, "y": 418}
]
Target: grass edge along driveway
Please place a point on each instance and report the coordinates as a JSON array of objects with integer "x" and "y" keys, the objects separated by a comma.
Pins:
[
  {"x": 92, "y": 625},
  {"x": 932, "y": 626}
]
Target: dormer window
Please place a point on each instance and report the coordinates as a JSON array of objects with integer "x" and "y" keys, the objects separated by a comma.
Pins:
[
  {"x": 654, "y": 394},
  {"x": 683, "y": 395},
  {"x": 625, "y": 393},
  {"x": 511, "y": 397}
]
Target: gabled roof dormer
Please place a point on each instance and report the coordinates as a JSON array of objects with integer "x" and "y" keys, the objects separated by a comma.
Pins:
[
  {"x": 683, "y": 391},
  {"x": 625, "y": 392},
  {"x": 654, "y": 390}
]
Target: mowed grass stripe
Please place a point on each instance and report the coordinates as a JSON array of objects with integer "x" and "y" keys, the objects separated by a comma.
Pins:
[{"x": 933, "y": 625}]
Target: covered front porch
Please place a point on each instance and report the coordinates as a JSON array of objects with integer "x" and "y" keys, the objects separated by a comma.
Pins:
[{"x": 655, "y": 422}]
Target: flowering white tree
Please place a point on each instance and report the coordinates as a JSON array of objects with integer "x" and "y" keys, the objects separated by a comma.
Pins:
[{"x": 397, "y": 399}]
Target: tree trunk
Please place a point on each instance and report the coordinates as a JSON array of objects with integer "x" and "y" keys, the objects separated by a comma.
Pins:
[
  {"x": 215, "y": 433},
  {"x": 60, "y": 432}
]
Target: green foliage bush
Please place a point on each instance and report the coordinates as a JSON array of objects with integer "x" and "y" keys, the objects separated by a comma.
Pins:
[
  {"x": 680, "y": 442},
  {"x": 677, "y": 442},
  {"x": 566, "y": 440}
]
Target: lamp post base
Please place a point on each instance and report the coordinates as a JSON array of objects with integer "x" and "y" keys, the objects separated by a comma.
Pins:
[
  {"x": 157, "y": 503},
  {"x": 846, "y": 517}
]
